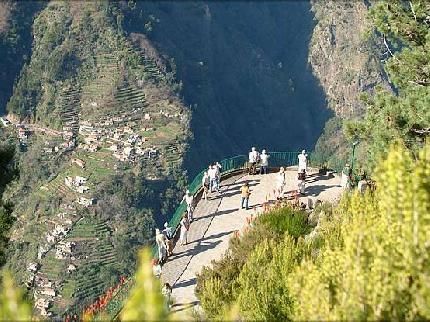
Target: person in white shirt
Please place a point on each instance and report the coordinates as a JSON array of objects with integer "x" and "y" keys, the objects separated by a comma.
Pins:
[
  {"x": 205, "y": 185},
  {"x": 252, "y": 158},
  {"x": 218, "y": 168},
  {"x": 346, "y": 175},
  {"x": 185, "y": 226},
  {"x": 303, "y": 162},
  {"x": 168, "y": 232},
  {"x": 212, "y": 177},
  {"x": 156, "y": 268},
  {"x": 189, "y": 198},
  {"x": 167, "y": 293},
  {"x": 264, "y": 162},
  {"x": 161, "y": 242},
  {"x": 280, "y": 183}
]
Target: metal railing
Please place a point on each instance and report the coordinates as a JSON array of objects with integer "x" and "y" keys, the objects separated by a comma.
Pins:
[{"x": 229, "y": 165}]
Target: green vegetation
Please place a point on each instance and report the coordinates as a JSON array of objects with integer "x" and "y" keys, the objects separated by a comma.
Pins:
[
  {"x": 222, "y": 285},
  {"x": 377, "y": 266},
  {"x": 16, "y": 21},
  {"x": 7, "y": 173},
  {"x": 367, "y": 258},
  {"x": 146, "y": 301},
  {"x": 84, "y": 71},
  {"x": 398, "y": 33},
  {"x": 403, "y": 114},
  {"x": 13, "y": 306}
]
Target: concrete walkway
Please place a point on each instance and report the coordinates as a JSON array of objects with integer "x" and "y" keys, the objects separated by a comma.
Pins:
[{"x": 217, "y": 219}]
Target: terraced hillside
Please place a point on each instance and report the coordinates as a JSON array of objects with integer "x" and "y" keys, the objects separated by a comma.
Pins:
[{"x": 105, "y": 135}]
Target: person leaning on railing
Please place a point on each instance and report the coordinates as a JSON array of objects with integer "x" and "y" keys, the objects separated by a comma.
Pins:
[
  {"x": 161, "y": 242},
  {"x": 253, "y": 159},
  {"x": 205, "y": 185},
  {"x": 168, "y": 232},
  {"x": 264, "y": 162}
]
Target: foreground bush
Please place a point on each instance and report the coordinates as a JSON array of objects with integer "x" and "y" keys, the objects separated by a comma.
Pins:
[
  {"x": 217, "y": 286},
  {"x": 13, "y": 306},
  {"x": 380, "y": 268},
  {"x": 369, "y": 259}
]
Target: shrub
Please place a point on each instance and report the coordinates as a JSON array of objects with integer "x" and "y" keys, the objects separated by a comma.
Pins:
[
  {"x": 379, "y": 267},
  {"x": 217, "y": 285},
  {"x": 286, "y": 220}
]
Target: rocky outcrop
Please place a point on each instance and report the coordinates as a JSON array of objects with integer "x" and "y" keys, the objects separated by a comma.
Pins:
[{"x": 344, "y": 54}]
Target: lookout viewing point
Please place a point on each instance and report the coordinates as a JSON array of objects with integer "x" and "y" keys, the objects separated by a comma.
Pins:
[{"x": 220, "y": 217}]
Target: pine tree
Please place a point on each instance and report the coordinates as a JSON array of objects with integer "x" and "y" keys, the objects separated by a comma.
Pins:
[{"x": 402, "y": 113}]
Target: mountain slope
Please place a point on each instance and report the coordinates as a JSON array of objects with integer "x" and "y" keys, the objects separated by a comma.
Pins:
[
  {"x": 243, "y": 69},
  {"x": 102, "y": 136},
  {"x": 346, "y": 56}
]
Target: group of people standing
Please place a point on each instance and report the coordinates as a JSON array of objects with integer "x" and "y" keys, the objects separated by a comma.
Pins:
[
  {"x": 211, "y": 180},
  {"x": 164, "y": 239},
  {"x": 301, "y": 177},
  {"x": 255, "y": 158}
]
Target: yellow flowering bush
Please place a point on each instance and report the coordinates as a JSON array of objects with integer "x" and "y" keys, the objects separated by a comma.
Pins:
[{"x": 380, "y": 266}]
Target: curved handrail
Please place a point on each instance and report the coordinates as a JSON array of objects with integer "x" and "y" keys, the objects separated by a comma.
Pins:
[{"x": 229, "y": 165}]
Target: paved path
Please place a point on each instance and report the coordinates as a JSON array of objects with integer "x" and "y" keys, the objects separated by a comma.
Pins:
[{"x": 216, "y": 220}]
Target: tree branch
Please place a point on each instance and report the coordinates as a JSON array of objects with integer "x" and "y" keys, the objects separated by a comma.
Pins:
[
  {"x": 388, "y": 48},
  {"x": 412, "y": 9}
]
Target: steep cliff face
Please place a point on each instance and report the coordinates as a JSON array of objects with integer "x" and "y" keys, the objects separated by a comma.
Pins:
[
  {"x": 343, "y": 56},
  {"x": 346, "y": 58},
  {"x": 16, "y": 21}
]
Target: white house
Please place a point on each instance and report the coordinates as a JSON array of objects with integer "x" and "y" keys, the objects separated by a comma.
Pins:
[{"x": 82, "y": 189}]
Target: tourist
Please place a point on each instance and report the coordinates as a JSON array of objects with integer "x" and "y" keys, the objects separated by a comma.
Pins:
[
  {"x": 252, "y": 158},
  {"x": 189, "y": 198},
  {"x": 245, "y": 192},
  {"x": 362, "y": 184},
  {"x": 156, "y": 268},
  {"x": 346, "y": 176},
  {"x": 205, "y": 185},
  {"x": 167, "y": 293},
  {"x": 168, "y": 232},
  {"x": 280, "y": 183},
  {"x": 185, "y": 226},
  {"x": 161, "y": 242},
  {"x": 303, "y": 161},
  {"x": 264, "y": 162},
  {"x": 301, "y": 182},
  {"x": 218, "y": 168},
  {"x": 212, "y": 177}
]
